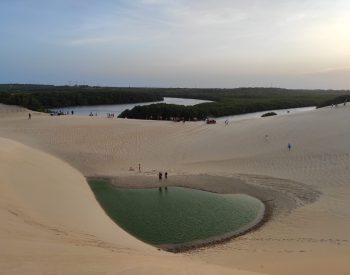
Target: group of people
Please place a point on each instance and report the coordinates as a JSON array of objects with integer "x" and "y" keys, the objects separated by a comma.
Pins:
[
  {"x": 110, "y": 115},
  {"x": 160, "y": 175},
  {"x": 61, "y": 113},
  {"x": 91, "y": 114},
  {"x": 336, "y": 105}
]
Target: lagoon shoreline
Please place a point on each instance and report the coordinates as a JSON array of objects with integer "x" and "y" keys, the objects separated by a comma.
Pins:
[
  {"x": 263, "y": 216},
  {"x": 274, "y": 203}
]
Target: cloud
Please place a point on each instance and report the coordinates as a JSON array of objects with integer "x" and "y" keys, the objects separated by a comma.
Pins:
[
  {"x": 145, "y": 39},
  {"x": 330, "y": 71}
]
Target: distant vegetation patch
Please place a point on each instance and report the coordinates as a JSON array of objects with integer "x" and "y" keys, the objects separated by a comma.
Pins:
[
  {"x": 163, "y": 111},
  {"x": 269, "y": 114}
]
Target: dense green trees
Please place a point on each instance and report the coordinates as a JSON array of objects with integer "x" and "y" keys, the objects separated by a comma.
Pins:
[
  {"x": 165, "y": 112},
  {"x": 40, "y": 98}
]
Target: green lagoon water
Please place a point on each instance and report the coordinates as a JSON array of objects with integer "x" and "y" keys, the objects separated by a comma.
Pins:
[{"x": 176, "y": 215}]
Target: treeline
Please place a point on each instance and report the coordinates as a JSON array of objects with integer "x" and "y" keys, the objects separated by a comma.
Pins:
[
  {"x": 232, "y": 102},
  {"x": 164, "y": 111},
  {"x": 248, "y": 92},
  {"x": 44, "y": 97}
]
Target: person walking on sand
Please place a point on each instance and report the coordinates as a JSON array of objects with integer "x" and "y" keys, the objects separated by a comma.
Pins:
[{"x": 289, "y": 147}]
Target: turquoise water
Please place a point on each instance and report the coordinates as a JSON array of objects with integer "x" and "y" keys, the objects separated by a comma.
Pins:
[{"x": 176, "y": 215}]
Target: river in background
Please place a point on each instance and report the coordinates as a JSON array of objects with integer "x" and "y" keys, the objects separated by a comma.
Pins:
[{"x": 117, "y": 109}]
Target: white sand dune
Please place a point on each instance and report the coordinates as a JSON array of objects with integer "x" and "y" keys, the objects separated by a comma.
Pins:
[
  {"x": 311, "y": 238},
  {"x": 51, "y": 224}
]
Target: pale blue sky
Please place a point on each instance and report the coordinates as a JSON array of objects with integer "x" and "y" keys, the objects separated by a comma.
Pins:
[{"x": 222, "y": 43}]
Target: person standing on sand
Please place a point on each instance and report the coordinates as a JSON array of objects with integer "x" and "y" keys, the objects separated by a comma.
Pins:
[
  {"x": 160, "y": 175},
  {"x": 139, "y": 167},
  {"x": 29, "y": 116},
  {"x": 166, "y": 175},
  {"x": 289, "y": 147}
]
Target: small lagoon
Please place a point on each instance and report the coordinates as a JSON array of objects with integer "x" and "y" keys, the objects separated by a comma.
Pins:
[{"x": 176, "y": 216}]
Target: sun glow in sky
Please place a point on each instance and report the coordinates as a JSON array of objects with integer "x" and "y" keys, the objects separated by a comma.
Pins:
[{"x": 182, "y": 43}]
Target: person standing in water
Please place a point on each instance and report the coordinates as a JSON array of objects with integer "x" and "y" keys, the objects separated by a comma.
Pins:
[{"x": 289, "y": 147}]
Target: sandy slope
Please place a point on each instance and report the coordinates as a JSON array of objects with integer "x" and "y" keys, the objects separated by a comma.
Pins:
[
  {"x": 51, "y": 224},
  {"x": 11, "y": 110},
  {"x": 307, "y": 238}
]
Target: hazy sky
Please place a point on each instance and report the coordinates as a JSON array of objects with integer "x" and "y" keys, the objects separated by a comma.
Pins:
[{"x": 182, "y": 43}]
